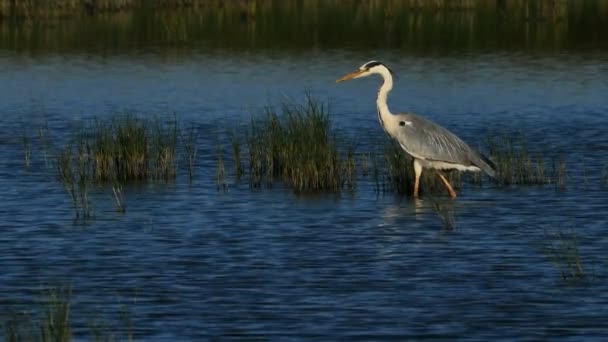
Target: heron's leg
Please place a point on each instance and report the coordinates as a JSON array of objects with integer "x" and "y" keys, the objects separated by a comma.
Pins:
[
  {"x": 417, "y": 173},
  {"x": 447, "y": 185}
]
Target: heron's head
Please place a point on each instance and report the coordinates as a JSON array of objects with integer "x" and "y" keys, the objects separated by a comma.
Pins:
[{"x": 369, "y": 68}]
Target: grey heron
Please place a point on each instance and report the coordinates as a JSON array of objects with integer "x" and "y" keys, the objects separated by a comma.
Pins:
[{"x": 430, "y": 145}]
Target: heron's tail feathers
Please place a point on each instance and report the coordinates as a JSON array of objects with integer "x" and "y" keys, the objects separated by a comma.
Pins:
[{"x": 487, "y": 166}]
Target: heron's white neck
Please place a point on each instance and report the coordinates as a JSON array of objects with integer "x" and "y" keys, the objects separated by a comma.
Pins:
[{"x": 384, "y": 114}]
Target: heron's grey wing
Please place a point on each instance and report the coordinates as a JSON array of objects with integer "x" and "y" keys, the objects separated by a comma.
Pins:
[{"x": 424, "y": 139}]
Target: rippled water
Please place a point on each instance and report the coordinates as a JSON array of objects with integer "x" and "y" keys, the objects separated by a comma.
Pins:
[{"x": 190, "y": 262}]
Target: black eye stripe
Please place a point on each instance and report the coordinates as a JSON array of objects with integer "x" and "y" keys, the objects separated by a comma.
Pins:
[
  {"x": 372, "y": 64},
  {"x": 401, "y": 123}
]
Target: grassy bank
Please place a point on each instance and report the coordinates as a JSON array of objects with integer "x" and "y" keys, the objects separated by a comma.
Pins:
[{"x": 411, "y": 24}]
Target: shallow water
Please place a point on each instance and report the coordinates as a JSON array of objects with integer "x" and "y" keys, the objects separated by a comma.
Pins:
[{"x": 191, "y": 262}]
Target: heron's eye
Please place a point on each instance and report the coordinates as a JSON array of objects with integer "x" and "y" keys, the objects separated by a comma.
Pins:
[{"x": 401, "y": 123}]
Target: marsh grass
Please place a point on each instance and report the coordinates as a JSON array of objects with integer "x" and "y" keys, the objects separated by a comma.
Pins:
[
  {"x": 19, "y": 327},
  {"x": 189, "y": 142},
  {"x": 220, "y": 175},
  {"x": 298, "y": 147},
  {"x": 128, "y": 148},
  {"x": 517, "y": 165},
  {"x": 237, "y": 156},
  {"x": 44, "y": 135},
  {"x": 74, "y": 176},
  {"x": 120, "y": 150},
  {"x": 50, "y": 320},
  {"x": 364, "y": 162},
  {"x": 350, "y": 169},
  {"x": 561, "y": 174},
  {"x": 55, "y": 325},
  {"x": 119, "y": 198},
  {"x": 26, "y": 142},
  {"x": 563, "y": 251}
]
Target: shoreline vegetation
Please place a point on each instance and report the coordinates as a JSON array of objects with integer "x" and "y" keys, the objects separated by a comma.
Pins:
[
  {"x": 292, "y": 146},
  {"x": 31, "y": 25}
]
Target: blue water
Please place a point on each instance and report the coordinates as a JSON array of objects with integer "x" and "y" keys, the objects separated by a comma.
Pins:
[{"x": 190, "y": 262}]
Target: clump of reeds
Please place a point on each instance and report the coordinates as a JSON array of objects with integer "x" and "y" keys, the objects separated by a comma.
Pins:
[
  {"x": 516, "y": 164},
  {"x": 299, "y": 148},
  {"x": 562, "y": 249},
  {"x": 74, "y": 175},
  {"x": 128, "y": 148},
  {"x": 120, "y": 150}
]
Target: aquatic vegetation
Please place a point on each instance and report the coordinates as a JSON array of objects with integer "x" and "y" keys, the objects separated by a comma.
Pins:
[
  {"x": 560, "y": 174},
  {"x": 44, "y": 135},
  {"x": 350, "y": 169},
  {"x": 516, "y": 164},
  {"x": 50, "y": 320},
  {"x": 56, "y": 317},
  {"x": 127, "y": 148},
  {"x": 190, "y": 148},
  {"x": 472, "y": 24},
  {"x": 119, "y": 197},
  {"x": 563, "y": 250},
  {"x": 117, "y": 151},
  {"x": 298, "y": 147},
  {"x": 236, "y": 155},
  {"x": 27, "y": 149},
  {"x": 220, "y": 176},
  {"x": 73, "y": 175}
]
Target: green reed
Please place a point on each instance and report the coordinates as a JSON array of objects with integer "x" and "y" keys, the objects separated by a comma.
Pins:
[
  {"x": 237, "y": 156},
  {"x": 128, "y": 148},
  {"x": 298, "y": 147},
  {"x": 50, "y": 320},
  {"x": 74, "y": 173},
  {"x": 119, "y": 198},
  {"x": 26, "y": 142},
  {"x": 220, "y": 175},
  {"x": 51, "y": 323},
  {"x": 55, "y": 324},
  {"x": 190, "y": 148},
  {"x": 164, "y": 150},
  {"x": 563, "y": 250},
  {"x": 516, "y": 164}
]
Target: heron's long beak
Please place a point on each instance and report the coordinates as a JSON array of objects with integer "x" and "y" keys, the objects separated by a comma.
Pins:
[{"x": 350, "y": 76}]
